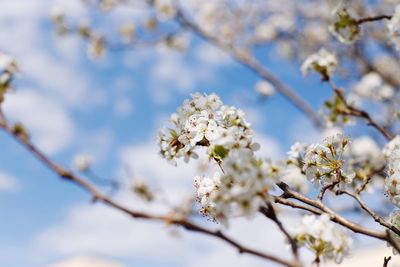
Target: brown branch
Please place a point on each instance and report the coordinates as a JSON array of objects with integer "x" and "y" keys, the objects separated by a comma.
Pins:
[
  {"x": 372, "y": 19},
  {"x": 329, "y": 186},
  {"x": 356, "y": 112},
  {"x": 98, "y": 196},
  {"x": 366, "y": 181},
  {"x": 286, "y": 202},
  {"x": 288, "y": 193},
  {"x": 373, "y": 214},
  {"x": 386, "y": 261}
]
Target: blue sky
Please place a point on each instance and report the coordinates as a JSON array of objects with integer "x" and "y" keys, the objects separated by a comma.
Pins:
[{"x": 111, "y": 108}]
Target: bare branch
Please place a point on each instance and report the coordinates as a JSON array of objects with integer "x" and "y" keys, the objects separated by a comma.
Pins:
[
  {"x": 373, "y": 214},
  {"x": 286, "y": 202},
  {"x": 328, "y": 186},
  {"x": 288, "y": 193},
  {"x": 386, "y": 261},
  {"x": 372, "y": 19}
]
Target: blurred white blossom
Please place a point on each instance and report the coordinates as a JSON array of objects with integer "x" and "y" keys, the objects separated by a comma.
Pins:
[
  {"x": 323, "y": 237},
  {"x": 323, "y": 62},
  {"x": 344, "y": 23}
]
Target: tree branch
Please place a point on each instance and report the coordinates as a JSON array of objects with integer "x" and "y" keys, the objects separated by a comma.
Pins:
[
  {"x": 288, "y": 193},
  {"x": 372, "y": 19},
  {"x": 99, "y": 196},
  {"x": 356, "y": 112},
  {"x": 386, "y": 261},
  {"x": 252, "y": 65},
  {"x": 373, "y": 214}
]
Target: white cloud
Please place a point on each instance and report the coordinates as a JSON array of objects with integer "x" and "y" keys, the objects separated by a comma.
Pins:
[
  {"x": 49, "y": 123},
  {"x": 172, "y": 74},
  {"x": 269, "y": 147},
  {"x": 60, "y": 80},
  {"x": 7, "y": 182},
  {"x": 85, "y": 261},
  {"x": 210, "y": 55},
  {"x": 89, "y": 229},
  {"x": 123, "y": 106}
]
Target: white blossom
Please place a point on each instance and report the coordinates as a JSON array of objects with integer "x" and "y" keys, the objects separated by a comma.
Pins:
[
  {"x": 323, "y": 237},
  {"x": 373, "y": 87},
  {"x": 324, "y": 163},
  {"x": 239, "y": 191},
  {"x": 265, "y": 88},
  {"x": 391, "y": 150},
  {"x": 323, "y": 62},
  {"x": 392, "y": 186},
  {"x": 344, "y": 23},
  {"x": 365, "y": 151},
  {"x": 392, "y": 182},
  {"x": 394, "y": 219},
  {"x": 205, "y": 121},
  {"x": 82, "y": 162}
]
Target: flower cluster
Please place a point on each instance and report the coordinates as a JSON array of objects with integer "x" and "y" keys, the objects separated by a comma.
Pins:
[
  {"x": 324, "y": 163},
  {"x": 204, "y": 121},
  {"x": 394, "y": 28},
  {"x": 394, "y": 219},
  {"x": 373, "y": 87},
  {"x": 242, "y": 184},
  {"x": 345, "y": 24},
  {"x": 323, "y": 62},
  {"x": 8, "y": 68},
  {"x": 392, "y": 183},
  {"x": 323, "y": 237},
  {"x": 239, "y": 191}
]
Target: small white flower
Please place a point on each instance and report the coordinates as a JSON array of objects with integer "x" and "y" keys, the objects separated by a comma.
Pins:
[
  {"x": 323, "y": 237},
  {"x": 265, "y": 88},
  {"x": 344, "y": 25},
  {"x": 323, "y": 62},
  {"x": 82, "y": 162},
  {"x": 394, "y": 219}
]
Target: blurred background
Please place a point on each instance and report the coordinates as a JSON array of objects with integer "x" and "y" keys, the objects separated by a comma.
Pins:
[{"x": 109, "y": 109}]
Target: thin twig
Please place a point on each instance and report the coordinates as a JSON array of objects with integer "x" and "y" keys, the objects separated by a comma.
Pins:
[
  {"x": 328, "y": 186},
  {"x": 386, "y": 261},
  {"x": 372, "y": 19},
  {"x": 366, "y": 181},
  {"x": 289, "y": 193},
  {"x": 356, "y": 112},
  {"x": 286, "y": 202},
  {"x": 373, "y": 214}
]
